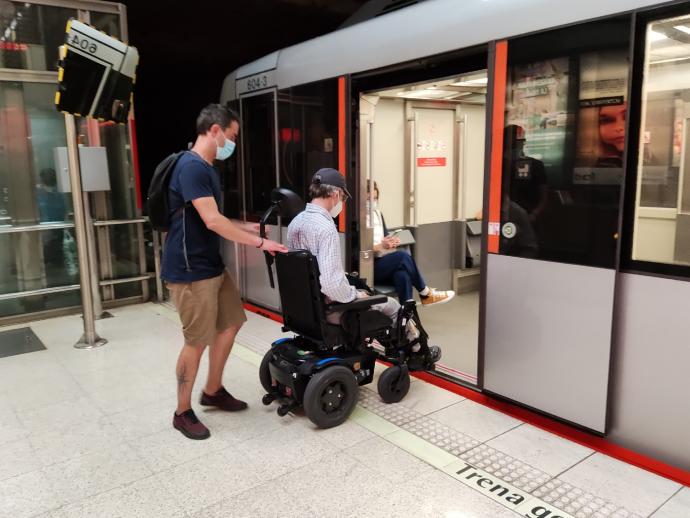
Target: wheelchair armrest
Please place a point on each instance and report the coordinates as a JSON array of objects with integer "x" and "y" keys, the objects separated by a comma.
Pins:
[{"x": 357, "y": 304}]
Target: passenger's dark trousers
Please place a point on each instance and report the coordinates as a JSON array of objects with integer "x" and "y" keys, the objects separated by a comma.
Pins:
[{"x": 400, "y": 270}]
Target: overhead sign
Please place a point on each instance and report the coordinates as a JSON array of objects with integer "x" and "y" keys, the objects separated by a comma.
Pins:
[
  {"x": 96, "y": 74},
  {"x": 253, "y": 83}
]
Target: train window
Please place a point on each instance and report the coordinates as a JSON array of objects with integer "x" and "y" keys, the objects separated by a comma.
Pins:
[
  {"x": 563, "y": 144},
  {"x": 662, "y": 208},
  {"x": 231, "y": 179},
  {"x": 308, "y": 132},
  {"x": 258, "y": 148}
]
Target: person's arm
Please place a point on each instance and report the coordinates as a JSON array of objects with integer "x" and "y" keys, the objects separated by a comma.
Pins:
[
  {"x": 196, "y": 186},
  {"x": 248, "y": 226},
  {"x": 334, "y": 283},
  {"x": 216, "y": 222},
  {"x": 388, "y": 241}
]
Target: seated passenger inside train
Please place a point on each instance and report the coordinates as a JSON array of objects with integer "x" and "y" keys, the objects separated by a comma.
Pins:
[
  {"x": 313, "y": 230},
  {"x": 398, "y": 267}
]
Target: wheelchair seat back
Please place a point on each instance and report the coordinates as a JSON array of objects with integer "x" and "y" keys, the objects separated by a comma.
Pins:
[{"x": 301, "y": 299}]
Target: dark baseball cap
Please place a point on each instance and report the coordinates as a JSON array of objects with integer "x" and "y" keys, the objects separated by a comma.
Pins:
[{"x": 330, "y": 176}]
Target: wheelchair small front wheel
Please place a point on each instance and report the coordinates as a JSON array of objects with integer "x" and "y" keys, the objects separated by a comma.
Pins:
[
  {"x": 394, "y": 383},
  {"x": 331, "y": 396},
  {"x": 265, "y": 373}
]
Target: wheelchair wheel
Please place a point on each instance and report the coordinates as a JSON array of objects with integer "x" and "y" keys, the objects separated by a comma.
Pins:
[
  {"x": 331, "y": 396},
  {"x": 393, "y": 388},
  {"x": 265, "y": 373}
]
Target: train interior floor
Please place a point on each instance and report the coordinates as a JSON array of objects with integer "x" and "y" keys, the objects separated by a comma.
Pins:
[
  {"x": 454, "y": 326},
  {"x": 87, "y": 433}
]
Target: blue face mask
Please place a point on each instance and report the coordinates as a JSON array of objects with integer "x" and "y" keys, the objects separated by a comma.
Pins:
[{"x": 223, "y": 153}]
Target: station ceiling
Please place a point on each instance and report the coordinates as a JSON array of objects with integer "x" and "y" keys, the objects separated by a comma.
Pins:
[
  {"x": 187, "y": 48},
  {"x": 231, "y": 33}
]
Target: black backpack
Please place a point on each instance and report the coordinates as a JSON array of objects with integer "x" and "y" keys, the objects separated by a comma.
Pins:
[{"x": 157, "y": 203}]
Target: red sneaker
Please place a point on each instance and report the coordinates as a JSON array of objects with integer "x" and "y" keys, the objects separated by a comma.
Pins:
[
  {"x": 223, "y": 400},
  {"x": 190, "y": 426}
]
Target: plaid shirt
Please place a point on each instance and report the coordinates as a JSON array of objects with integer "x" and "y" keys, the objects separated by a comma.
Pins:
[{"x": 313, "y": 230}]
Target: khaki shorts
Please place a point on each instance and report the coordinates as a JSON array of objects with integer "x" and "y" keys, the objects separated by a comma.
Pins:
[{"x": 207, "y": 307}]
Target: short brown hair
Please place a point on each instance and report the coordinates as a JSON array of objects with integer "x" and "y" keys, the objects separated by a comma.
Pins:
[
  {"x": 215, "y": 114},
  {"x": 322, "y": 190}
]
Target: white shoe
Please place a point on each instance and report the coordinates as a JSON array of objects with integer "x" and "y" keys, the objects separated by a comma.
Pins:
[{"x": 412, "y": 332}]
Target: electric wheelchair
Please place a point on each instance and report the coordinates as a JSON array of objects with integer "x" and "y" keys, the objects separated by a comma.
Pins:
[{"x": 323, "y": 365}]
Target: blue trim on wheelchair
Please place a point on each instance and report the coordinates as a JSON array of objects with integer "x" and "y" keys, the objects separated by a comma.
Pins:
[
  {"x": 325, "y": 361},
  {"x": 280, "y": 341}
]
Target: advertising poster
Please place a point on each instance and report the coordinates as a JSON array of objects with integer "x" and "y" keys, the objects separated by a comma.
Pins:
[
  {"x": 601, "y": 118},
  {"x": 538, "y": 102}
]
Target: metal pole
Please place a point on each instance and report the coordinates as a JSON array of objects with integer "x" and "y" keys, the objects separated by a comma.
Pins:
[
  {"x": 142, "y": 262},
  {"x": 93, "y": 264},
  {"x": 90, "y": 338}
]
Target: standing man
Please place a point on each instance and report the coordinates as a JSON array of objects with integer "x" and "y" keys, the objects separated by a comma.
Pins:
[{"x": 205, "y": 295}]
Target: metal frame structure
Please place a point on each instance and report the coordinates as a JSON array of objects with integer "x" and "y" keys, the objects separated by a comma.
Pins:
[{"x": 101, "y": 272}]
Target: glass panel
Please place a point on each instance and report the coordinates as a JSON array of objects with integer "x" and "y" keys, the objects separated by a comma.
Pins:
[
  {"x": 35, "y": 303},
  {"x": 37, "y": 260},
  {"x": 124, "y": 250},
  {"x": 31, "y": 35},
  {"x": 662, "y": 213},
  {"x": 59, "y": 247},
  {"x": 120, "y": 201},
  {"x": 30, "y": 131},
  {"x": 258, "y": 146},
  {"x": 230, "y": 177},
  {"x": 308, "y": 133},
  {"x": 106, "y": 22},
  {"x": 563, "y": 148},
  {"x": 129, "y": 289}
]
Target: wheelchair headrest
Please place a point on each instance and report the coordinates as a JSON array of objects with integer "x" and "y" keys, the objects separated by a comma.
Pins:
[{"x": 288, "y": 203}]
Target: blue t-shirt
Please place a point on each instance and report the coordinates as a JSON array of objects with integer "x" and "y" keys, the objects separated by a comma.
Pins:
[{"x": 191, "y": 251}]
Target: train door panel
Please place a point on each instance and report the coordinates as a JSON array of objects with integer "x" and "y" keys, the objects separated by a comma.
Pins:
[
  {"x": 260, "y": 177},
  {"x": 367, "y": 112},
  {"x": 433, "y": 190},
  {"x": 556, "y": 172}
]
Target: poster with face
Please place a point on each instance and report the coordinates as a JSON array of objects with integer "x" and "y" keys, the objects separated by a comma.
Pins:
[{"x": 601, "y": 118}]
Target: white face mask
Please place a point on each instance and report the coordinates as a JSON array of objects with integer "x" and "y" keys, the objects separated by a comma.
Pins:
[{"x": 337, "y": 209}]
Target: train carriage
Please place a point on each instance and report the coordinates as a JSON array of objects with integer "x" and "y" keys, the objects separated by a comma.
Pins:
[{"x": 537, "y": 152}]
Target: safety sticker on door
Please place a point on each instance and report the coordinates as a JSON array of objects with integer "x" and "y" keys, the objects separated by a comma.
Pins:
[{"x": 439, "y": 161}]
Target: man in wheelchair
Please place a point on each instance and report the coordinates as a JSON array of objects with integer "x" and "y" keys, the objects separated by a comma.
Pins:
[
  {"x": 313, "y": 230},
  {"x": 339, "y": 329}
]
